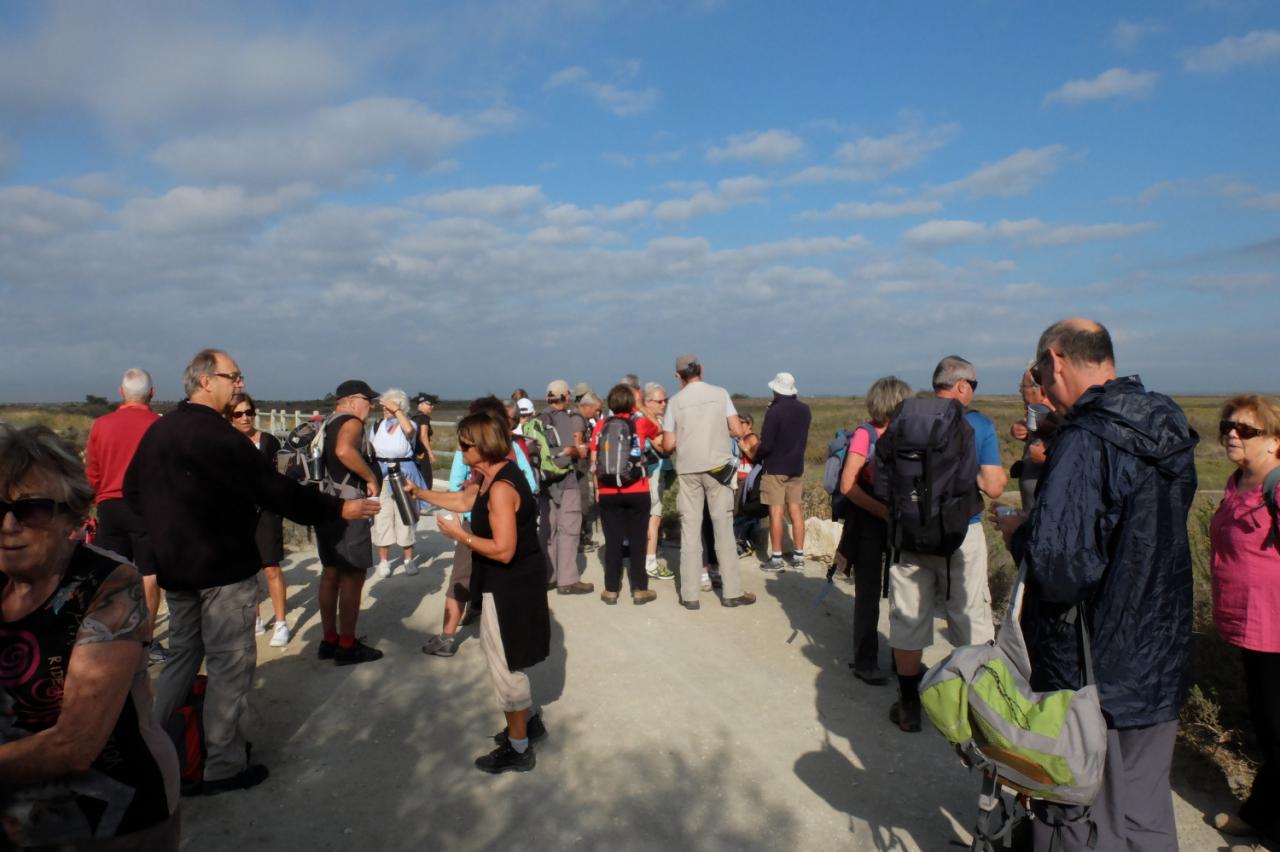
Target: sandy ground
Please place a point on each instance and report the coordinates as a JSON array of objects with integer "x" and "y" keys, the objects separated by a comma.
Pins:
[{"x": 669, "y": 730}]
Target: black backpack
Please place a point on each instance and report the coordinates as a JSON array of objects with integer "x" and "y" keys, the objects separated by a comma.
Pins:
[
  {"x": 926, "y": 473},
  {"x": 619, "y": 462}
]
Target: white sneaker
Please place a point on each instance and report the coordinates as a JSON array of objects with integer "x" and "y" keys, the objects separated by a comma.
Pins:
[
  {"x": 706, "y": 583},
  {"x": 259, "y": 626},
  {"x": 410, "y": 568},
  {"x": 280, "y": 637},
  {"x": 384, "y": 569}
]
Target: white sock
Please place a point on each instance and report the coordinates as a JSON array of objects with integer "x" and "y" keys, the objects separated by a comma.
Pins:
[{"x": 521, "y": 746}]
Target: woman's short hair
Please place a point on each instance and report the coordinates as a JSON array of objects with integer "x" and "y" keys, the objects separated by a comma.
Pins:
[
  {"x": 490, "y": 405},
  {"x": 237, "y": 398},
  {"x": 38, "y": 449},
  {"x": 395, "y": 396},
  {"x": 884, "y": 396},
  {"x": 1265, "y": 409},
  {"x": 488, "y": 434},
  {"x": 622, "y": 398},
  {"x": 651, "y": 388},
  {"x": 746, "y": 419}
]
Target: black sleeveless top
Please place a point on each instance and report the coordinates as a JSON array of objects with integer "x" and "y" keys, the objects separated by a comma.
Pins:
[
  {"x": 125, "y": 788},
  {"x": 519, "y": 587},
  {"x": 333, "y": 466}
]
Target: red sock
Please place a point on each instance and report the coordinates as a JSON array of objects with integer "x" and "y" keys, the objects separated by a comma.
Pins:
[
  {"x": 330, "y": 636},
  {"x": 347, "y": 640}
]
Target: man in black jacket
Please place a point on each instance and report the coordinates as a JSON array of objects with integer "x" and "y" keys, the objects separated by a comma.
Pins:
[
  {"x": 1107, "y": 541},
  {"x": 783, "y": 439},
  {"x": 197, "y": 484}
]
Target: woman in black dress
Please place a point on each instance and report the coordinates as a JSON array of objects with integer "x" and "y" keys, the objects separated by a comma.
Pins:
[
  {"x": 509, "y": 572},
  {"x": 270, "y": 534}
]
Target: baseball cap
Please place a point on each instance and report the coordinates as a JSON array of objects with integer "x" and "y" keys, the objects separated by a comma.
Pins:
[
  {"x": 355, "y": 387},
  {"x": 685, "y": 361},
  {"x": 558, "y": 388},
  {"x": 581, "y": 389},
  {"x": 524, "y": 405},
  {"x": 425, "y": 397}
]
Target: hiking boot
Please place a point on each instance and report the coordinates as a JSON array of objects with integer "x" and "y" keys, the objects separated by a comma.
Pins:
[
  {"x": 744, "y": 599},
  {"x": 325, "y": 649},
  {"x": 578, "y": 588},
  {"x": 280, "y": 636},
  {"x": 611, "y": 598},
  {"x": 744, "y": 548},
  {"x": 775, "y": 564},
  {"x": 906, "y": 715},
  {"x": 384, "y": 568},
  {"x": 506, "y": 759},
  {"x": 441, "y": 646},
  {"x": 357, "y": 653},
  {"x": 410, "y": 568},
  {"x": 534, "y": 730},
  {"x": 250, "y": 776},
  {"x": 705, "y": 585},
  {"x": 870, "y": 675},
  {"x": 643, "y": 596}
]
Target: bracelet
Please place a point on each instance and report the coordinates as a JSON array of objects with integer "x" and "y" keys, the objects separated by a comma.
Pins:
[{"x": 468, "y": 541}]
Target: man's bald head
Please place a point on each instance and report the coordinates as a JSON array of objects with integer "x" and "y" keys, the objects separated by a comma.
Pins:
[{"x": 1081, "y": 341}]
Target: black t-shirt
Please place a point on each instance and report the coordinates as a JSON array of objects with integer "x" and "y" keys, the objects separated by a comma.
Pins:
[{"x": 420, "y": 420}]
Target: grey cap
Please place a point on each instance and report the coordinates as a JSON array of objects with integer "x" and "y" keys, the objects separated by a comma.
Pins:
[{"x": 685, "y": 361}]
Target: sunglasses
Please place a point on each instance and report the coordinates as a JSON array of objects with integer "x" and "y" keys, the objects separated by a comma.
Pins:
[
  {"x": 659, "y": 401},
  {"x": 973, "y": 383},
  {"x": 465, "y": 446},
  {"x": 32, "y": 511},
  {"x": 234, "y": 378},
  {"x": 1243, "y": 430},
  {"x": 248, "y": 412}
]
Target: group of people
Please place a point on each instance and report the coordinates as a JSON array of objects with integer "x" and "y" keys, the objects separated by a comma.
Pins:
[{"x": 190, "y": 503}]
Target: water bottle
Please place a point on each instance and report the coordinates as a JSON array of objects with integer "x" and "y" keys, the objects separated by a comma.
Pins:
[
  {"x": 1031, "y": 419},
  {"x": 407, "y": 508}
]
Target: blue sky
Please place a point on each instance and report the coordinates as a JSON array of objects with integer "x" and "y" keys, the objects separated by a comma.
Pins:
[{"x": 465, "y": 198}]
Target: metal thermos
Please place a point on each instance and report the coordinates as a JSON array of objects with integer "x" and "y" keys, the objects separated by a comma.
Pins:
[
  {"x": 407, "y": 507},
  {"x": 1031, "y": 419}
]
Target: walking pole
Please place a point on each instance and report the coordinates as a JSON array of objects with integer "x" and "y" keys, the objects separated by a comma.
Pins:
[{"x": 822, "y": 593}]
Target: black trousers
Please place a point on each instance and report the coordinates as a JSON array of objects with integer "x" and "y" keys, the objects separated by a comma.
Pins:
[
  {"x": 625, "y": 517},
  {"x": 863, "y": 543},
  {"x": 1262, "y": 681},
  {"x": 122, "y": 531}
]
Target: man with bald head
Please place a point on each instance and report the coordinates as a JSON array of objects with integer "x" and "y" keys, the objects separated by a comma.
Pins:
[{"x": 1105, "y": 546}]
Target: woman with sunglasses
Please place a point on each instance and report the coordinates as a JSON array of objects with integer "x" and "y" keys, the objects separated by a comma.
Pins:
[
  {"x": 1245, "y": 571},
  {"x": 509, "y": 571},
  {"x": 270, "y": 532},
  {"x": 83, "y": 763}
]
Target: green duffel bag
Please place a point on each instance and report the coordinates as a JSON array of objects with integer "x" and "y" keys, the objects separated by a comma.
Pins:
[{"x": 1050, "y": 746}]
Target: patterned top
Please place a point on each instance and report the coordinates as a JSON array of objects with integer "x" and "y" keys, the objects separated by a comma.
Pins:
[{"x": 132, "y": 783}]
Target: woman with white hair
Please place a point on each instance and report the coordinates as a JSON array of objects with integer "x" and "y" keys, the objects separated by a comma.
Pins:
[{"x": 393, "y": 443}]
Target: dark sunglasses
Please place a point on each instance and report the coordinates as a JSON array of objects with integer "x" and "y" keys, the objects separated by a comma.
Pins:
[
  {"x": 1243, "y": 430},
  {"x": 465, "y": 446},
  {"x": 231, "y": 377},
  {"x": 973, "y": 383},
  {"x": 32, "y": 511},
  {"x": 248, "y": 412}
]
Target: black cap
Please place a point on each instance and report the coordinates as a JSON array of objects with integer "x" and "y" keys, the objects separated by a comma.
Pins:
[
  {"x": 355, "y": 387},
  {"x": 425, "y": 397}
]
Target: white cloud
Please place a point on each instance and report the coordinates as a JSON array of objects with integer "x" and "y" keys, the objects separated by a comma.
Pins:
[
  {"x": 488, "y": 201},
  {"x": 1112, "y": 83},
  {"x": 333, "y": 145},
  {"x": 99, "y": 185},
  {"x": 873, "y": 210},
  {"x": 32, "y": 212},
  {"x": 1125, "y": 35},
  {"x": 1256, "y": 48},
  {"x": 614, "y": 97},
  {"x": 944, "y": 232},
  {"x": 1016, "y": 174},
  {"x": 627, "y": 211},
  {"x": 729, "y": 193},
  {"x": 869, "y": 158},
  {"x": 768, "y": 146},
  {"x": 195, "y": 209},
  {"x": 1063, "y": 235}
]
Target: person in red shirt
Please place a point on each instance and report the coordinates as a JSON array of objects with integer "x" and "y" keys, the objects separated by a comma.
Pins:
[
  {"x": 113, "y": 438},
  {"x": 624, "y": 510}
]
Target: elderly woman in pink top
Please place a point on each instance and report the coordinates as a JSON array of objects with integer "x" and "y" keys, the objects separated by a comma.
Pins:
[{"x": 1246, "y": 591}]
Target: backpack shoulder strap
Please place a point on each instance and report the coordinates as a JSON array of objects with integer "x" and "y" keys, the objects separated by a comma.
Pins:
[{"x": 1269, "y": 499}]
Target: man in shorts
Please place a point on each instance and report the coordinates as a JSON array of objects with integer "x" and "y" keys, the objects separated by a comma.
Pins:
[
  {"x": 783, "y": 439},
  {"x": 917, "y": 580},
  {"x": 346, "y": 547}
]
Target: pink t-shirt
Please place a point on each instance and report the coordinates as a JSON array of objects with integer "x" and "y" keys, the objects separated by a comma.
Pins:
[{"x": 1246, "y": 577}]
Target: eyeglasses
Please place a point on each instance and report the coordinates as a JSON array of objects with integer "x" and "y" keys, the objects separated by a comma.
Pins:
[
  {"x": 235, "y": 378},
  {"x": 659, "y": 401},
  {"x": 1036, "y": 375},
  {"x": 248, "y": 412},
  {"x": 973, "y": 383},
  {"x": 32, "y": 511},
  {"x": 465, "y": 445},
  {"x": 1243, "y": 430}
]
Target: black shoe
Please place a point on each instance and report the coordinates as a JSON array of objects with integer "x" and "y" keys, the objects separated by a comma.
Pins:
[
  {"x": 506, "y": 759},
  {"x": 691, "y": 604},
  {"x": 869, "y": 674},
  {"x": 357, "y": 653},
  {"x": 250, "y": 777},
  {"x": 906, "y": 715},
  {"x": 534, "y": 730},
  {"x": 325, "y": 650}
]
